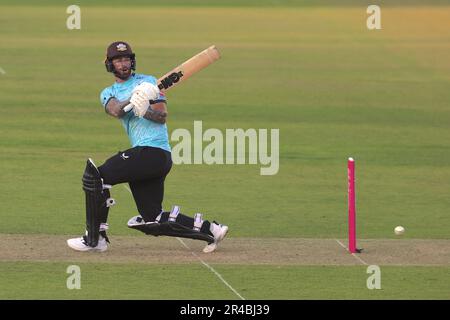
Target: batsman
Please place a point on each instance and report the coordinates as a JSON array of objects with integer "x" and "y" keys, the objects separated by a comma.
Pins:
[{"x": 144, "y": 166}]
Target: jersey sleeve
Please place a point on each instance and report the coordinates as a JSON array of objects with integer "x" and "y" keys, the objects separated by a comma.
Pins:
[
  {"x": 105, "y": 96},
  {"x": 161, "y": 96}
]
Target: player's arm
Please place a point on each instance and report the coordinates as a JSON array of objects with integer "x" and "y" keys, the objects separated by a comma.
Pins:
[
  {"x": 157, "y": 112},
  {"x": 115, "y": 108}
]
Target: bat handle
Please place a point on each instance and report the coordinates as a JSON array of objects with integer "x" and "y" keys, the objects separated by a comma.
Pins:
[{"x": 128, "y": 107}]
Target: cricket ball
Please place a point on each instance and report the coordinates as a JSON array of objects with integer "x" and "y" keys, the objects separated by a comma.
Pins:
[{"x": 399, "y": 230}]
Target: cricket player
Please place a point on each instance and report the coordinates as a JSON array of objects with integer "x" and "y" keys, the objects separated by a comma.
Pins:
[{"x": 144, "y": 167}]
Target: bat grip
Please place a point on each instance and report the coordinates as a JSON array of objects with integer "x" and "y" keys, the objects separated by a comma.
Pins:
[{"x": 128, "y": 107}]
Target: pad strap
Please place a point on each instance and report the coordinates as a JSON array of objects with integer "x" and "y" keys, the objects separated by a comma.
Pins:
[
  {"x": 198, "y": 221},
  {"x": 159, "y": 216},
  {"x": 109, "y": 201},
  {"x": 174, "y": 213}
]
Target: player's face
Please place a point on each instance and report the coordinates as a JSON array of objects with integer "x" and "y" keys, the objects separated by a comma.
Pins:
[{"x": 122, "y": 65}]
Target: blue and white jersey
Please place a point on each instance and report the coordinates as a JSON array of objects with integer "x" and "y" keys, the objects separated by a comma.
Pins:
[{"x": 140, "y": 131}]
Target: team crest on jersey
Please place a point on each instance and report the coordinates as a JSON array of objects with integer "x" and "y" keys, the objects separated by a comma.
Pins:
[{"x": 121, "y": 47}]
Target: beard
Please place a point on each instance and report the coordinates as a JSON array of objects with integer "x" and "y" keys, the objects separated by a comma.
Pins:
[{"x": 123, "y": 74}]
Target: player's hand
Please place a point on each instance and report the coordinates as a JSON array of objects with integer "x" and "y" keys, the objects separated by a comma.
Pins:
[
  {"x": 140, "y": 104},
  {"x": 157, "y": 116},
  {"x": 148, "y": 90}
]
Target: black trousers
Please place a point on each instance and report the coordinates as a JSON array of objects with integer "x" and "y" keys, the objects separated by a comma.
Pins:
[{"x": 145, "y": 169}]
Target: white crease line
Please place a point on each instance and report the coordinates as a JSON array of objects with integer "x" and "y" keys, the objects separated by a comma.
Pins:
[
  {"x": 204, "y": 263},
  {"x": 126, "y": 187},
  {"x": 356, "y": 256},
  {"x": 2, "y": 71},
  {"x": 212, "y": 269}
]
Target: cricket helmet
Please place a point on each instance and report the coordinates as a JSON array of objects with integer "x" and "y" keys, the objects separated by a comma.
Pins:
[{"x": 119, "y": 49}]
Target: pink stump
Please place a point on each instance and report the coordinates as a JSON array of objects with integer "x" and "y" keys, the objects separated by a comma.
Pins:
[{"x": 351, "y": 206}]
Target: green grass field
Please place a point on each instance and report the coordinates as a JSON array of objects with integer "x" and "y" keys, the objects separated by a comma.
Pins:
[{"x": 333, "y": 88}]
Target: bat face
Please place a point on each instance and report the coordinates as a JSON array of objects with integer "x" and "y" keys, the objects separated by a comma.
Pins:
[
  {"x": 186, "y": 70},
  {"x": 170, "y": 80}
]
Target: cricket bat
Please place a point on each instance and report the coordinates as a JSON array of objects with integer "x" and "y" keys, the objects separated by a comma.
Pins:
[{"x": 185, "y": 70}]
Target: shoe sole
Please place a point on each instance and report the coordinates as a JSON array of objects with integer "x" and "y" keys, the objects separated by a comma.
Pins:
[
  {"x": 213, "y": 246},
  {"x": 86, "y": 249}
]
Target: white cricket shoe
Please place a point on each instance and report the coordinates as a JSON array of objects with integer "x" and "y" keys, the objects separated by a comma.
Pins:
[
  {"x": 79, "y": 244},
  {"x": 219, "y": 232},
  {"x": 135, "y": 221}
]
